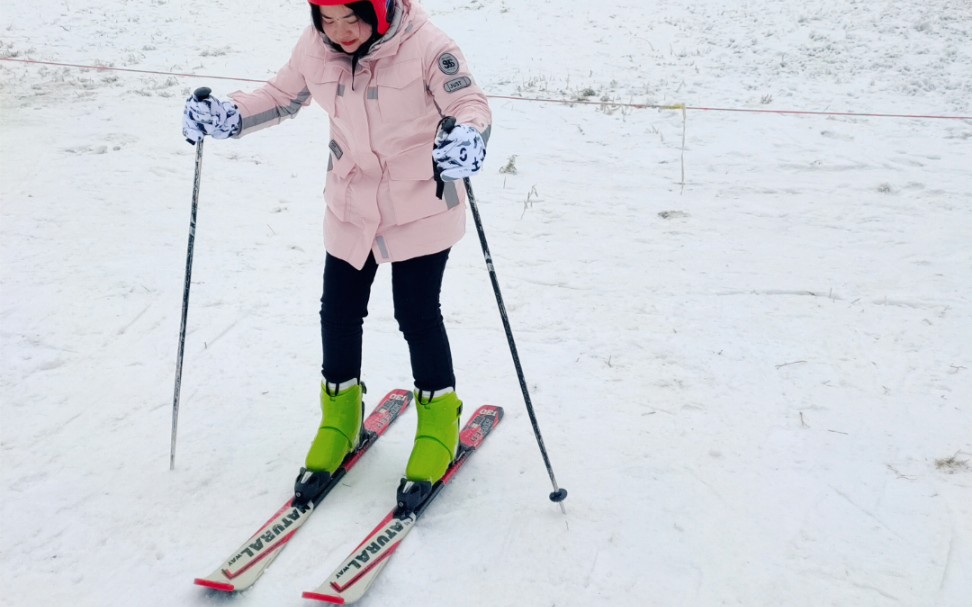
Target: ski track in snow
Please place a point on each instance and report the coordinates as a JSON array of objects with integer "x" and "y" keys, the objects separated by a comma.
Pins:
[{"x": 747, "y": 381}]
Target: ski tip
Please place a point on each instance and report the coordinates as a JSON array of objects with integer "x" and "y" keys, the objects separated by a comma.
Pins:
[
  {"x": 387, "y": 411},
  {"x": 483, "y": 420},
  {"x": 402, "y": 394},
  {"x": 493, "y": 411},
  {"x": 399, "y": 394},
  {"x": 326, "y": 598},
  {"x": 221, "y": 586}
]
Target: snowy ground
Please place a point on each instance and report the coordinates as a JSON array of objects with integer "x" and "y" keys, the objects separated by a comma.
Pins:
[{"x": 757, "y": 386}]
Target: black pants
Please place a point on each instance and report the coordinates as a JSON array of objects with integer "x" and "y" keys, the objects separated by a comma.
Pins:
[{"x": 416, "y": 284}]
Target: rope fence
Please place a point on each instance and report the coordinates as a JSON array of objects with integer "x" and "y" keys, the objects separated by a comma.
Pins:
[
  {"x": 612, "y": 104},
  {"x": 642, "y": 106}
]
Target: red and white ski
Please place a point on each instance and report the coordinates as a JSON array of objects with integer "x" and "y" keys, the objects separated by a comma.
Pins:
[
  {"x": 352, "y": 578},
  {"x": 247, "y": 564}
]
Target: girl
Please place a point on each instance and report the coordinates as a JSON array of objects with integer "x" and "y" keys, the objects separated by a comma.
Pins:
[{"x": 387, "y": 77}]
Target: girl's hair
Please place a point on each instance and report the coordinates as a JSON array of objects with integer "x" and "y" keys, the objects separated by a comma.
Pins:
[{"x": 363, "y": 10}]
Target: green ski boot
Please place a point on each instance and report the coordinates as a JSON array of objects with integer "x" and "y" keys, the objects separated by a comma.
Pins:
[
  {"x": 436, "y": 439},
  {"x": 340, "y": 429}
]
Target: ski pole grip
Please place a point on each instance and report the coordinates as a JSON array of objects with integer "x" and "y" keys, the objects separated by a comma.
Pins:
[
  {"x": 200, "y": 94},
  {"x": 447, "y": 124}
]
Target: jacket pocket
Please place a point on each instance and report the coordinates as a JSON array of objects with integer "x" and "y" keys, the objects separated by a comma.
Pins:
[
  {"x": 326, "y": 86},
  {"x": 402, "y": 93},
  {"x": 340, "y": 172},
  {"x": 412, "y": 186}
]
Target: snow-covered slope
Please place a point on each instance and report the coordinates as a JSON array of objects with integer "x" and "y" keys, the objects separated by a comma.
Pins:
[{"x": 756, "y": 384}]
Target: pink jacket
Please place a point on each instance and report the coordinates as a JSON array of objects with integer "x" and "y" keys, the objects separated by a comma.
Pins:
[{"x": 380, "y": 190}]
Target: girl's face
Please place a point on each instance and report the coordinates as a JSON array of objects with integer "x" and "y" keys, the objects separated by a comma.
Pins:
[{"x": 343, "y": 27}]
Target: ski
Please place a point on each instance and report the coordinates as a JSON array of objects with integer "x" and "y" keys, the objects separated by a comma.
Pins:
[
  {"x": 352, "y": 578},
  {"x": 247, "y": 564}
]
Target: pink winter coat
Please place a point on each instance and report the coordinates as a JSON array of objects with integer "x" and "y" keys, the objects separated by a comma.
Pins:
[{"x": 380, "y": 190}]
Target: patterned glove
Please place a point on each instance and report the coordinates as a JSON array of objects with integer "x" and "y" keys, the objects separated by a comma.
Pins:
[
  {"x": 458, "y": 153},
  {"x": 209, "y": 116}
]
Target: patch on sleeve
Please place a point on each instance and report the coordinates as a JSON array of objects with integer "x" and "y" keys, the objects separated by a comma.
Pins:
[
  {"x": 448, "y": 64},
  {"x": 457, "y": 84}
]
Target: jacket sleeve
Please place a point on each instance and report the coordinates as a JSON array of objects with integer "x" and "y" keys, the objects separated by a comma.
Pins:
[
  {"x": 281, "y": 98},
  {"x": 453, "y": 87}
]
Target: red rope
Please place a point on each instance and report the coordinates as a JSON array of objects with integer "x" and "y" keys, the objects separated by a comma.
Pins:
[
  {"x": 105, "y": 68},
  {"x": 812, "y": 113},
  {"x": 640, "y": 106}
]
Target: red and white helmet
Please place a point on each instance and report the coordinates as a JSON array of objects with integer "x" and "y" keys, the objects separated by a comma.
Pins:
[{"x": 380, "y": 6}]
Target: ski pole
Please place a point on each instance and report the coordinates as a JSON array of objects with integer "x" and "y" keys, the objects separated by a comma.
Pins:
[
  {"x": 200, "y": 94},
  {"x": 559, "y": 494}
]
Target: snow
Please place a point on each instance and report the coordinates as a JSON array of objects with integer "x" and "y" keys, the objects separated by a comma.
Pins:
[{"x": 756, "y": 384}]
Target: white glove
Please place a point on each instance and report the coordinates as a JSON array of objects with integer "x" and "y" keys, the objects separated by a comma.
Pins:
[
  {"x": 459, "y": 153},
  {"x": 209, "y": 116}
]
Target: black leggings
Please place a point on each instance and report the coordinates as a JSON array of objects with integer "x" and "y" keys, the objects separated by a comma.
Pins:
[{"x": 416, "y": 284}]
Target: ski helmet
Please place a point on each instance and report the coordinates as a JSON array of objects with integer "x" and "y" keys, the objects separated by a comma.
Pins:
[{"x": 381, "y": 10}]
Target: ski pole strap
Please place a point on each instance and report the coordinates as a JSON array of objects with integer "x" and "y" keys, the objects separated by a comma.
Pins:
[
  {"x": 445, "y": 126},
  {"x": 439, "y": 184}
]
